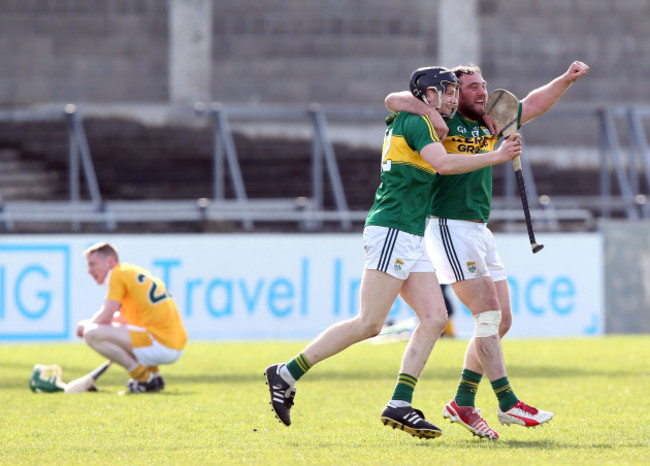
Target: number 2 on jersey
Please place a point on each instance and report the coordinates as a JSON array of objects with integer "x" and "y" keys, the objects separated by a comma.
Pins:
[
  {"x": 152, "y": 291},
  {"x": 386, "y": 166}
]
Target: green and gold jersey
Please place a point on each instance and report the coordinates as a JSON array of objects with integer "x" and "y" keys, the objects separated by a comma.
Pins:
[
  {"x": 403, "y": 199},
  {"x": 467, "y": 196}
]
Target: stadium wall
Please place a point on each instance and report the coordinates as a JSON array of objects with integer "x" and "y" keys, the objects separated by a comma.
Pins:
[
  {"x": 281, "y": 287},
  {"x": 290, "y": 51},
  {"x": 296, "y": 52}
]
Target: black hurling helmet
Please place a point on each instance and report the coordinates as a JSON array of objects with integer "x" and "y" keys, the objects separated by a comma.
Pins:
[{"x": 433, "y": 77}]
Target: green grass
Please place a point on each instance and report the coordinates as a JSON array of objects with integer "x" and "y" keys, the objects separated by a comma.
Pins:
[{"x": 215, "y": 408}]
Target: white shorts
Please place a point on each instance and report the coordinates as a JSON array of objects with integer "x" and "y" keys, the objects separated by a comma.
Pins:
[
  {"x": 461, "y": 250},
  {"x": 395, "y": 252},
  {"x": 156, "y": 353}
]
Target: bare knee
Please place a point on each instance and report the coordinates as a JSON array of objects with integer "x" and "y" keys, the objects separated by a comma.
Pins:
[
  {"x": 91, "y": 336},
  {"x": 368, "y": 328},
  {"x": 443, "y": 320},
  {"x": 434, "y": 322},
  {"x": 372, "y": 329},
  {"x": 94, "y": 336},
  {"x": 505, "y": 324}
]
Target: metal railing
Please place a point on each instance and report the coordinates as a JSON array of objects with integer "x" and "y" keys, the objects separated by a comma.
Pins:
[
  {"x": 308, "y": 210},
  {"x": 630, "y": 200},
  {"x": 322, "y": 152},
  {"x": 79, "y": 157}
]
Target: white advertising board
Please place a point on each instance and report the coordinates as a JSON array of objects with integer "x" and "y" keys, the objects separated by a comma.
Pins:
[
  {"x": 277, "y": 286},
  {"x": 558, "y": 292}
]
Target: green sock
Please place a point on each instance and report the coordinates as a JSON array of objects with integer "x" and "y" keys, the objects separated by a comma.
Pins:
[
  {"x": 467, "y": 388},
  {"x": 298, "y": 366},
  {"x": 505, "y": 394},
  {"x": 404, "y": 388}
]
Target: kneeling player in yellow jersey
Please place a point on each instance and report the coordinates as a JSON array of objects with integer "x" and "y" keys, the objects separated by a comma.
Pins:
[{"x": 138, "y": 326}]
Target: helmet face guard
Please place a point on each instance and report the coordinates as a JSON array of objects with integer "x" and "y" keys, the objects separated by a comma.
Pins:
[
  {"x": 454, "y": 107},
  {"x": 437, "y": 78}
]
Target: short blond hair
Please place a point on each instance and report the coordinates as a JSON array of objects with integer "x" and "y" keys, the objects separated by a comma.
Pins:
[{"x": 103, "y": 248}]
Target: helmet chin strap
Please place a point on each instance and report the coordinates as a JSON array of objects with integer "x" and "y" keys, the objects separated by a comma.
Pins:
[{"x": 453, "y": 112}]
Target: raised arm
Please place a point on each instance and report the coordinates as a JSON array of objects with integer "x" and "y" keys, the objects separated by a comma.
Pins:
[
  {"x": 404, "y": 101},
  {"x": 453, "y": 164},
  {"x": 540, "y": 100}
]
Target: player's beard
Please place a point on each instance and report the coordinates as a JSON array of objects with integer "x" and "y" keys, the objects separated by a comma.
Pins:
[{"x": 473, "y": 112}]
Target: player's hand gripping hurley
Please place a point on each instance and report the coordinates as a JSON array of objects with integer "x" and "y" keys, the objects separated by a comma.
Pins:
[{"x": 503, "y": 107}]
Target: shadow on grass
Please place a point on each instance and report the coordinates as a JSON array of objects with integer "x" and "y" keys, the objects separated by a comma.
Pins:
[
  {"x": 326, "y": 373},
  {"x": 446, "y": 373},
  {"x": 505, "y": 444},
  {"x": 558, "y": 445},
  {"x": 9, "y": 382}
]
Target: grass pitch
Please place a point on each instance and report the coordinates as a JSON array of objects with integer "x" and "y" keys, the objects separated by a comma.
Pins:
[{"x": 215, "y": 408}]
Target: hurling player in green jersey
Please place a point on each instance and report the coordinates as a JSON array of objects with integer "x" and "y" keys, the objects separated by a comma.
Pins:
[
  {"x": 396, "y": 261},
  {"x": 463, "y": 249}
]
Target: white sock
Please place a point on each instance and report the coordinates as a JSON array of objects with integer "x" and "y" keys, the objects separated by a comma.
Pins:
[
  {"x": 398, "y": 403},
  {"x": 286, "y": 375}
]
